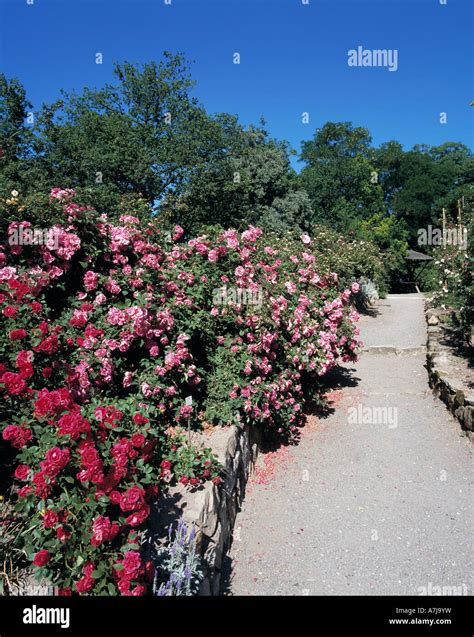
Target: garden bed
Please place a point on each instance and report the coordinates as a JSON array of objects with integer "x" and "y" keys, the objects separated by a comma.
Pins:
[{"x": 212, "y": 509}]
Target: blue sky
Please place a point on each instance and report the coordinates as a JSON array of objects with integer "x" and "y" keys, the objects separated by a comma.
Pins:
[{"x": 293, "y": 58}]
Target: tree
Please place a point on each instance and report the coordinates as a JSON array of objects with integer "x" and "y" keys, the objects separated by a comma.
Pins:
[
  {"x": 16, "y": 137},
  {"x": 147, "y": 136},
  {"x": 247, "y": 179},
  {"x": 340, "y": 176},
  {"x": 143, "y": 135},
  {"x": 419, "y": 182}
]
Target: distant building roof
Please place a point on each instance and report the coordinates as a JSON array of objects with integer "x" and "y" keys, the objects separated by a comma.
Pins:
[{"x": 413, "y": 255}]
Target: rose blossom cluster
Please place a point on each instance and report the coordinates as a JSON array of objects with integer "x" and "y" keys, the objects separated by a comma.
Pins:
[{"x": 106, "y": 346}]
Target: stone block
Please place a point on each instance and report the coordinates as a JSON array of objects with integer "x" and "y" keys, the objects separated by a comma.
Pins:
[{"x": 468, "y": 417}]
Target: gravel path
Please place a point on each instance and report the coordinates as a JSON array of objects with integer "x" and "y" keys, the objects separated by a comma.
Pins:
[{"x": 372, "y": 501}]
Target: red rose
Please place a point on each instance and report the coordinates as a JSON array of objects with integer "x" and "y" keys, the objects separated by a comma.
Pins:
[
  {"x": 87, "y": 582},
  {"x": 55, "y": 461},
  {"x": 27, "y": 371},
  {"x": 64, "y": 592},
  {"x": 124, "y": 586},
  {"x": 138, "y": 517},
  {"x": 48, "y": 402},
  {"x": 184, "y": 480},
  {"x": 17, "y": 335},
  {"x": 132, "y": 565},
  {"x": 120, "y": 451},
  {"x": 133, "y": 499},
  {"x": 63, "y": 534},
  {"x": 24, "y": 357},
  {"x": 41, "y": 558},
  {"x": 49, "y": 345},
  {"x": 92, "y": 465},
  {"x": 138, "y": 440},
  {"x": 17, "y": 436},
  {"x": 42, "y": 488},
  {"x": 22, "y": 471},
  {"x": 138, "y": 590},
  {"x": 139, "y": 419},
  {"x": 43, "y": 327},
  {"x": 9, "y": 311},
  {"x": 36, "y": 306},
  {"x": 103, "y": 530},
  {"x": 88, "y": 569},
  {"x": 14, "y": 383},
  {"x": 46, "y": 372},
  {"x": 73, "y": 424},
  {"x": 24, "y": 491},
  {"x": 115, "y": 497},
  {"x": 50, "y": 519}
]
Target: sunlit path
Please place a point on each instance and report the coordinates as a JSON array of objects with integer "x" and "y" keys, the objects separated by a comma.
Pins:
[{"x": 376, "y": 498}]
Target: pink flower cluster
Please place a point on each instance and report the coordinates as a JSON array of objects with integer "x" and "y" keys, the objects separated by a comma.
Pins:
[{"x": 96, "y": 384}]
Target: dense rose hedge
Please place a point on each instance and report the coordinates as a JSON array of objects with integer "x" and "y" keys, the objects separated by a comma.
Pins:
[{"x": 107, "y": 329}]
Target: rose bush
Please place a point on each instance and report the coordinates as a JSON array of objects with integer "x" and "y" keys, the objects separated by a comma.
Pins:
[
  {"x": 109, "y": 326},
  {"x": 453, "y": 281}
]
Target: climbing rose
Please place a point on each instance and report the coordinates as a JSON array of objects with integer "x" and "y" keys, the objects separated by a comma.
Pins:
[
  {"x": 305, "y": 239},
  {"x": 55, "y": 460},
  {"x": 41, "y": 558},
  {"x": 133, "y": 499},
  {"x": 103, "y": 530},
  {"x": 132, "y": 565},
  {"x": 22, "y": 471},
  {"x": 17, "y": 436},
  {"x": 50, "y": 519},
  {"x": 14, "y": 383},
  {"x": 91, "y": 280},
  {"x": 138, "y": 517},
  {"x": 63, "y": 534},
  {"x": 85, "y": 584}
]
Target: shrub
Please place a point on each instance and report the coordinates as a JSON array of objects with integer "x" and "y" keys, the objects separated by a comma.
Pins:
[
  {"x": 118, "y": 336},
  {"x": 352, "y": 258}
]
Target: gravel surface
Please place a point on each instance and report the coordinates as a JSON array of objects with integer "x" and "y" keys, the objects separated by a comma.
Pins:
[
  {"x": 371, "y": 502},
  {"x": 400, "y": 324}
]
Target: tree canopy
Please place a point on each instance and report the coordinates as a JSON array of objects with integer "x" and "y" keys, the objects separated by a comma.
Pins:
[{"x": 146, "y": 136}]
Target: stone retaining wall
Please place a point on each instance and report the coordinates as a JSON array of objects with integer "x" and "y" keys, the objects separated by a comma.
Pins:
[
  {"x": 446, "y": 376},
  {"x": 213, "y": 509}
]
